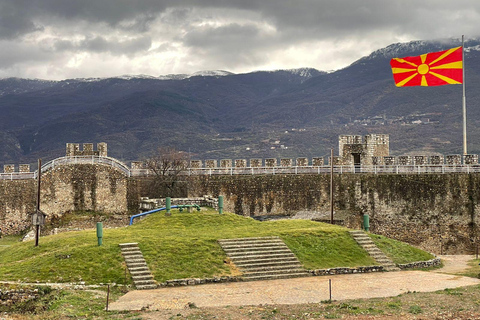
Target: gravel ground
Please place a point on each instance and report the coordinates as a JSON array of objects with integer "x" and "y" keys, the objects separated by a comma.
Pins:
[{"x": 298, "y": 290}]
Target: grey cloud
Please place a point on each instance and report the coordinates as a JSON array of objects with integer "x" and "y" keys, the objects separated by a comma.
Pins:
[
  {"x": 13, "y": 54},
  {"x": 232, "y": 34},
  {"x": 223, "y": 33},
  {"x": 230, "y": 45},
  {"x": 13, "y": 21},
  {"x": 100, "y": 44},
  {"x": 323, "y": 17}
]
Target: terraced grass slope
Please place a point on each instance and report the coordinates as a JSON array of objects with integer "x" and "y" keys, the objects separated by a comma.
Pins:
[{"x": 179, "y": 246}]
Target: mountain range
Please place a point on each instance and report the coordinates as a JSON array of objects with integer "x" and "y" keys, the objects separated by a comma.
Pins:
[{"x": 218, "y": 114}]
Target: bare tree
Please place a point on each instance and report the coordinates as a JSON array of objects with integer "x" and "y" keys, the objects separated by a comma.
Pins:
[{"x": 167, "y": 165}]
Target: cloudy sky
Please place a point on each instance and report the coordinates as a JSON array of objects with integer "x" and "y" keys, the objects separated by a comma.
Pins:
[{"x": 59, "y": 39}]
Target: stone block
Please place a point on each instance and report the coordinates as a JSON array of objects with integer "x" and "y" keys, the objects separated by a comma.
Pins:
[
  {"x": 225, "y": 163},
  {"x": 136, "y": 165},
  {"x": 72, "y": 149},
  {"x": 8, "y": 168},
  {"x": 88, "y": 149},
  {"x": 389, "y": 160},
  {"x": 420, "y": 160},
  {"x": 271, "y": 162},
  {"x": 302, "y": 162},
  {"x": 196, "y": 164},
  {"x": 318, "y": 161},
  {"x": 436, "y": 160},
  {"x": 470, "y": 159},
  {"x": 102, "y": 149},
  {"x": 337, "y": 161},
  {"x": 24, "y": 168},
  {"x": 377, "y": 161},
  {"x": 286, "y": 162},
  {"x": 453, "y": 159},
  {"x": 240, "y": 163},
  {"x": 405, "y": 160},
  {"x": 255, "y": 163},
  {"x": 211, "y": 163}
]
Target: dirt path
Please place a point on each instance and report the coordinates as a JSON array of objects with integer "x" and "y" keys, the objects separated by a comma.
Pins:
[
  {"x": 453, "y": 264},
  {"x": 291, "y": 291}
]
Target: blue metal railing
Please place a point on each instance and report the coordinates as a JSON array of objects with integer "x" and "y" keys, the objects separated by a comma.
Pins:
[{"x": 181, "y": 206}]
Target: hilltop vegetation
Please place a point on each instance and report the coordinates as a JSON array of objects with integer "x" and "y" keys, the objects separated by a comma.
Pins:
[{"x": 180, "y": 246}]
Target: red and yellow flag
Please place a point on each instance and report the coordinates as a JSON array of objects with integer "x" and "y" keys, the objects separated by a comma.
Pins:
[{"x": 429, "y": 69}]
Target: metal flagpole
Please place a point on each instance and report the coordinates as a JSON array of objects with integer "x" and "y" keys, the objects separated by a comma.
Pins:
[
  {"x": 464, "y": 100},
  {"x": 331, "y": 187}
]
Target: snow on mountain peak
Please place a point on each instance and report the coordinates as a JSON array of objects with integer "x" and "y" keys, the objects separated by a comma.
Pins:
[{"x": 211, "y": 73}]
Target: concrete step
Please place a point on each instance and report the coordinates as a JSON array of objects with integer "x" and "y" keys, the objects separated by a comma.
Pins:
[
  {"x": 257, "y": 252},
  {"x": 270, "y": 265},
  {"x": 255, "y": 248},
  {"x": 366, "y": 243},
  {"x": 141, "y": 273},
  {"x": 278, "y": 276},
  {"x": 142, "y": 268},
  {"x": 263, "y": 258},
  {"x": 248, "y": 239},
  {"x": 147, "y": 277},
  {"x": 137, "y": 266},
  {"x": 266, "y": 261},
  {"x": 144, "y": 282},
  {"x": 295, "y": 266},
  {"x": 250, "y": 273},
  {"x": 134, "y": 257},
  {"x": 233, "y": 245},
  {"x": 136, "y": 260},
  {"x": 147, "y": 287},
  {"x": 128, "y": 245},
  {"x": 131, "y": 251}
]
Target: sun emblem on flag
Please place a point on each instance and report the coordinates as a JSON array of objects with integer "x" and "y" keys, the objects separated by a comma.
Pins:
[{"x": 429, "y": 69}]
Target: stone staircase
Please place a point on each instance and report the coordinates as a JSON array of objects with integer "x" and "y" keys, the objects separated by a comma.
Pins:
[
  {"x": 137, "y": 266},
  {"x": 366, "y": 242},
  {"x": 263, "y": 258}
]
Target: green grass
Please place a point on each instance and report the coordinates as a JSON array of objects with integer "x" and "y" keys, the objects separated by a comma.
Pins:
[
  {"x": 9, "y": 240},
  {"x": 179, "y": 246},
  {"x": 399, "y": 252}
]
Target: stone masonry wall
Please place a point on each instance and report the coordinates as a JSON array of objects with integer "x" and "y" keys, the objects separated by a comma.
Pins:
[
  {"x": 84, "y": 187},
  {"x": 439, "y": 213},
  {"x": 80, "y": 187},
  {"x": 17, "y": 199}
]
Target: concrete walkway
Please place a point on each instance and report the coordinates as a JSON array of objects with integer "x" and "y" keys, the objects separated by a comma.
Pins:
[{"x": 294, "y": 291}]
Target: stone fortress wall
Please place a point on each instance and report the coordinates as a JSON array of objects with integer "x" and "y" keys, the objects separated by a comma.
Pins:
[
  {"x": 68, "y": 187},
  {"x": 434, "y": 211}
]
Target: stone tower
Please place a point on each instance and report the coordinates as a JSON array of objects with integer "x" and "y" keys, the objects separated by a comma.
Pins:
[{"x": 353, "y": 150}]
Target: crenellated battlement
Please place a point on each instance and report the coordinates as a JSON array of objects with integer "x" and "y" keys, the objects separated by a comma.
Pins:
[
  {"x": 22, "y": 168},
  {"x": 354, "y": 150},
  {"x": 73, "y": 149}
]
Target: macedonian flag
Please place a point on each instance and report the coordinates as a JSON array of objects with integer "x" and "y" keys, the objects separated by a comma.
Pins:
[{"x": 429, "y": 69}]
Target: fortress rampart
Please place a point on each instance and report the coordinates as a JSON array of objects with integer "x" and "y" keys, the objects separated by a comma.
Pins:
[{"x": 436, "y": 211}]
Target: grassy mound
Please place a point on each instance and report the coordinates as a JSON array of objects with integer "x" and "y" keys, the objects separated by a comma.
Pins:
[{"x": 180, "y": 246}]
